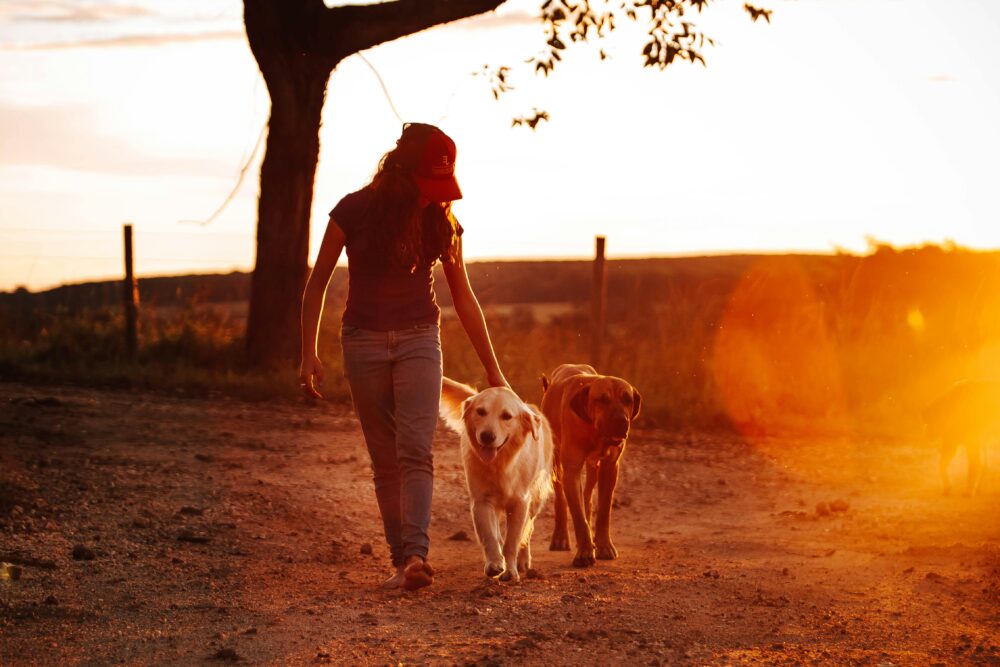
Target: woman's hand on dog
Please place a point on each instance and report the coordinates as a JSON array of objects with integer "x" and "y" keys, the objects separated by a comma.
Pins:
[{"x": 311, "y": 376}]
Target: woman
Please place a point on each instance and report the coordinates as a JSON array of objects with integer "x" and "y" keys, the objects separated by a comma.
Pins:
[{"x": 395, "y": 229}]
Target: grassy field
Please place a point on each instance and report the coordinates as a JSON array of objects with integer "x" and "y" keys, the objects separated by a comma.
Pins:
[{"x": 766, "y": 344}]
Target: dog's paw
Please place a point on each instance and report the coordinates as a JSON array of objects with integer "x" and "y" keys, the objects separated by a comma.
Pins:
[
  {"x": 494, "y": 569},
  {"x": 559, "y": 543},
  {"x": 607, "y": 551},
  {"x": 510, "y": 575},
  {"x": 584, "y": 558}
]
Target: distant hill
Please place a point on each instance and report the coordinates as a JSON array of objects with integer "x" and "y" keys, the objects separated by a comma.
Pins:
[
  {"x": 161, "y": 290},
  {"x": 632, "y": 283},
  {"x": 495, "y": 282}
]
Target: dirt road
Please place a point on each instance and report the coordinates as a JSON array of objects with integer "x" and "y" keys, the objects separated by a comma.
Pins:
[{"x": 213, "y": 531}]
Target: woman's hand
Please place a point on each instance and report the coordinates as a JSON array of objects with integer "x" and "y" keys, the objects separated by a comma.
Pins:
[
  {"x": 495, "y": 378},
  {"x": 311, "y": 376}
]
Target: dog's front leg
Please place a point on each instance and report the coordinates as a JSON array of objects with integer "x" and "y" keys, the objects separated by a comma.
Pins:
[
  {"x": 608, "y": 479},
  {"x": 517, "y": 516},
  {"x": 588, "y": 492},
  {"x": 524, "y": 554},
  {"x": 484, "y": 516},
  {"x": 573, "y": 488}
]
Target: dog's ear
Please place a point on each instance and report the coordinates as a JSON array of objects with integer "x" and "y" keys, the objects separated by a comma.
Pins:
[
  {"x": 578, "y": 403},
  {"x": 466, "y": 406},
  {"x": 531, "y": 423},
  {"x": 465, "y": 425},
  {"x": 636, "y": 402}
]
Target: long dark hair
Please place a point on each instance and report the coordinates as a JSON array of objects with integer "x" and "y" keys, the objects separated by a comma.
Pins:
[{"x": 405, "y": 234}]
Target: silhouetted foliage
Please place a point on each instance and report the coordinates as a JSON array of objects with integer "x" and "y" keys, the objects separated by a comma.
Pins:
[
  {"x": 531, "y": 121},
  {"x": 672, "y": 37}
]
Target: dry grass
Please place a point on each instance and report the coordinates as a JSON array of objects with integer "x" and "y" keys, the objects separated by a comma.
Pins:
[
  {"x": 791, "y": 345},
  {"x": 190, "y": 350},
  {"x": 783, "y": 345}
]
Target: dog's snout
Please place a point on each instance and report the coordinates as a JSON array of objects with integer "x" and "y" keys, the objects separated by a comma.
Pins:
[
  {"x": 619, "y": 426},
  {"x": 487, "y": 437}
]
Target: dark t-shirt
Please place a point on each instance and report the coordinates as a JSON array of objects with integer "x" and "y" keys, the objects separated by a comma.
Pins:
[{"x": 381, "y": 296}]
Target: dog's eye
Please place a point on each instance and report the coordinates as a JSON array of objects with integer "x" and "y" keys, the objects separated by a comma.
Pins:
[
  {"x": 603, "y": 399},
  {"x": 505, "y": 416},
  {"x": 626, "y": 399},
  {"x": 481, "y": 412}
]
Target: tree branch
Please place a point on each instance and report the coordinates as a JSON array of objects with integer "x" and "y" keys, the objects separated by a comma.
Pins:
[{"x": 341, "y": 31}]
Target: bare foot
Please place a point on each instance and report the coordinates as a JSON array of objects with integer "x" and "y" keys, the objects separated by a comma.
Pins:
[
  {"x": 395, "y": 581},
  {"x": 417, "y": 573}
]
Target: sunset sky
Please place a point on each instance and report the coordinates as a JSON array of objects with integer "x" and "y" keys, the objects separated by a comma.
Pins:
[{"x": 839, "y": 121}]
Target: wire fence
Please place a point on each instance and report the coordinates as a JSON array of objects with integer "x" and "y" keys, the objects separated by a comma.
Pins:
[{"x": 44, "y": 257}]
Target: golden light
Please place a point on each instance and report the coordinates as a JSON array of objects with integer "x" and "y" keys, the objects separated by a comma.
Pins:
[
  {"x": 775, "y": 362},
  {"x": 915, "y": 319}
]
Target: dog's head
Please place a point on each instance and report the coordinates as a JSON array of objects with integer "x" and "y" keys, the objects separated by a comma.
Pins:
[
  {"x": 609, "y": 404},
  {"x": 496, "y": 419}
]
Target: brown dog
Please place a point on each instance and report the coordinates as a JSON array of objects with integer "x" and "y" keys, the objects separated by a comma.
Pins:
[{"x": 590, "y": 416}]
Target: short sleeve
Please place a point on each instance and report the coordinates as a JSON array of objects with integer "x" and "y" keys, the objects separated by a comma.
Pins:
[{"x": 348, "y": 213}]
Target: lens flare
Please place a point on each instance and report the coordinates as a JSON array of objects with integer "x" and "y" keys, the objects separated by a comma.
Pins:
[{"x": 775, "y": 360}]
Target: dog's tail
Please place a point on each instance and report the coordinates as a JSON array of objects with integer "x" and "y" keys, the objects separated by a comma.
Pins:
[{"x": 453, "y": 394}]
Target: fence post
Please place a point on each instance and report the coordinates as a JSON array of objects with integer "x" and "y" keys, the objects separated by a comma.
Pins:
[
  {"x": 131, "y": 297},
  {"x": 598, "y": 308}
]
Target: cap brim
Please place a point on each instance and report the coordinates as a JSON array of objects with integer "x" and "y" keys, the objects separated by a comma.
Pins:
[{"x": 439, "y": 189}]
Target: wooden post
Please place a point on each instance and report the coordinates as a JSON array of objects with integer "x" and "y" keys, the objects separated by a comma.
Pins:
[
  {"x": 598, "y": 308},
  {"x": 130, "y": 293}
]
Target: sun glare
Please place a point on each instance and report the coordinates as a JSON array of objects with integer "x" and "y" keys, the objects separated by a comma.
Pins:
[
  {"x": 776, "y": 363},
  {"x": 915, "y": 319}
]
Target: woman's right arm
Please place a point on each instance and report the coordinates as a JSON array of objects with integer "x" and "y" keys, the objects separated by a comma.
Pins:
[{"x": 311, "y": 370}]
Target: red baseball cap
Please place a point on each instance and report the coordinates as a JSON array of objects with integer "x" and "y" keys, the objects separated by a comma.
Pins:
[{"x": 434, "y": 173}]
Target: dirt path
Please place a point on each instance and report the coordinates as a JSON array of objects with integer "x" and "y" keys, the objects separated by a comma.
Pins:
[{"x": 226, "y": 530}]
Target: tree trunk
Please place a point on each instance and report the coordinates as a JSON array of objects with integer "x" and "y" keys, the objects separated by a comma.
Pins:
[{"x": 297, "y": 89}]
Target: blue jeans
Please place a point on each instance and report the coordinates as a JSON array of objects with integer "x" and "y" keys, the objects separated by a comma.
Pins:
[{"x": 395, "y": 380}]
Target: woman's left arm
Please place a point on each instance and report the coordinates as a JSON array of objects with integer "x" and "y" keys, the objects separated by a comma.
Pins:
[{"x": 470, "y": 314}]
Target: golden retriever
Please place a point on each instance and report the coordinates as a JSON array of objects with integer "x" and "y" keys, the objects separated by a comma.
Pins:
[
  {"x": 507, "y": 453},
  {"x": 590, "y": 415},
  {"x": 967, "y": 414}
]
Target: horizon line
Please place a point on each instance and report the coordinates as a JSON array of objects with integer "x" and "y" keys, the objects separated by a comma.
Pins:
[{"x": 947, "y": 246}]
